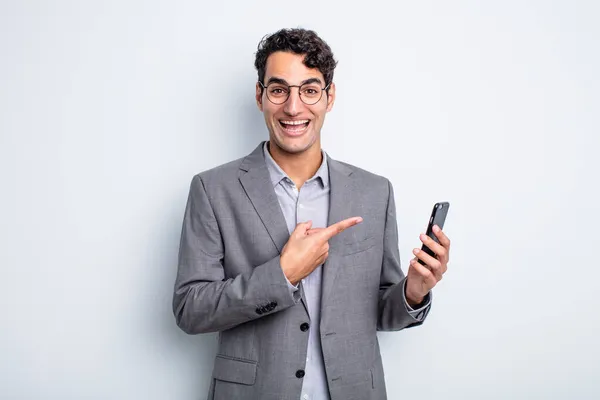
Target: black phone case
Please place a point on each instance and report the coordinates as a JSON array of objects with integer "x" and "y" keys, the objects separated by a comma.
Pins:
[{"x": 438, "y": 217}]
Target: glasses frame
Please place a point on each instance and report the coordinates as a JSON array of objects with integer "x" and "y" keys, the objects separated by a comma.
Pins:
[{"x": 323, "y": 89}]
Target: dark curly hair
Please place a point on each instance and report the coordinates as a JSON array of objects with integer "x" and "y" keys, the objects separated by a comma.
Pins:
[{"x": 300, "y": 41}]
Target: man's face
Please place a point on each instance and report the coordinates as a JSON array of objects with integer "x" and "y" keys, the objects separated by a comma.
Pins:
[{"x": 293, "y": 126}]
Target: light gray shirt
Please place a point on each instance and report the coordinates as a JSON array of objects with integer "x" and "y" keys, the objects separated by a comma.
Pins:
[{"x": 311, "y": 202}]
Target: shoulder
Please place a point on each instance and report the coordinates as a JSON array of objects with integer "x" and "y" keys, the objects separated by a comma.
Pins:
[
  {"x": 219, "y": 175},
  {"x": 365, "y": 178}
]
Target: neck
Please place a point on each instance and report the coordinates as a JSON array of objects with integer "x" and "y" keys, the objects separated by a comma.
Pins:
[{"x": 300, "y": 167}]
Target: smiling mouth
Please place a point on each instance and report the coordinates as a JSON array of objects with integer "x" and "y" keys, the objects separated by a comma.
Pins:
[{"x": 294, "y": 127}]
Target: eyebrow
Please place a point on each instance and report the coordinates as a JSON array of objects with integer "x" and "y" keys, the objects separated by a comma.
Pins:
[{"x": 274, "y": 79}]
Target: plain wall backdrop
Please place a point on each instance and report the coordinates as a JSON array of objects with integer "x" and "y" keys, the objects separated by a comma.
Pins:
[{"x": 107, "y": 110}]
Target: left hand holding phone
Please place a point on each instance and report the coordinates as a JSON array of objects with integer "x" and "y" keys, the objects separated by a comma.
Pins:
[{"x": 420, "y": 278}]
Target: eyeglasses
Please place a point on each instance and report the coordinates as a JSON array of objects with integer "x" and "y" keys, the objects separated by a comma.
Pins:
[{"x": 278, "y": 93}]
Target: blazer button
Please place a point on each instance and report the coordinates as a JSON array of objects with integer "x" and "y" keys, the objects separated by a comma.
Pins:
[
  {"x": 304, "y": 327},
  {"x": 300, "y": 373}
]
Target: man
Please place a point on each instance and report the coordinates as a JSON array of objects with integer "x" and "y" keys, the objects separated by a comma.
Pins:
[{"x": 293, "y": 256}]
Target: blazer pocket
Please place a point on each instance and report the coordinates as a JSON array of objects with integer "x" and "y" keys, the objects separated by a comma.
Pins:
[
  {"x": 235, "y": 370},
  {"x": 357, "y": 247}
]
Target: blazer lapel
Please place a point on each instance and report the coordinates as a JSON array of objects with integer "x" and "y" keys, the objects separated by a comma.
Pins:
[
  {"x": 340, "y": 207},
  {"x": 258, "y": 187},
  {"x": 257, "y": 184}
]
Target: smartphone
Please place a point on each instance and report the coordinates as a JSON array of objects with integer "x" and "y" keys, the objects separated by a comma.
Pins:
[{"x": 438, "y": 217}]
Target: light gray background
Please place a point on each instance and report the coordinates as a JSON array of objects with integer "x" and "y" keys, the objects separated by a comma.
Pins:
[{"x": 109, "y": 108}]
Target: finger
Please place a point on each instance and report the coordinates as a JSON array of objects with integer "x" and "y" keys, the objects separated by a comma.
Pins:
[
  {"x": 444, "y": 240},
  {"x": 339, "y": 227},
  {"x": 303, "y": 227},
  {"x": 427, "y": 276},
  {"x": 314, "y": 230},
  {"x": 437, "y": 248},
  {"x": 436, "y": 271},
  {"x": 433, "y": 263},
  {"x": 324, "y": 253},
  {"x": 322, "y": 258}
]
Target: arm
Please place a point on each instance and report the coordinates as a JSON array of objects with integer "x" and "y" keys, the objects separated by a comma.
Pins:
[
  {"x": 203, "y": 300},
  {"x": 394, "y": 311}
]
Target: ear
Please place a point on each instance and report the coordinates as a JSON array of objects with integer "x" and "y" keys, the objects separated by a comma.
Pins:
[
  {"x": 259, "y": 96},
  {"x": 331, "y": 96}
]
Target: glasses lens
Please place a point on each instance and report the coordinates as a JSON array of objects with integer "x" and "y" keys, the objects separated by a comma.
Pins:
[
  {"x": 310, "y": 93},
  {"x": 278, "y": 94}
]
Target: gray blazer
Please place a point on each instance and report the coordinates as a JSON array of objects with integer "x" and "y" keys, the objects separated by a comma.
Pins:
[{"x": 229, "y": 280}]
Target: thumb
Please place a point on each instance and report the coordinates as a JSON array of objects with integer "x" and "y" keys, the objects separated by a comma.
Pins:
[{"x": 302, "y": 227}]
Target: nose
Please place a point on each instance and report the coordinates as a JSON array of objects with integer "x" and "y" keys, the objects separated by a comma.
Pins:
[{"x": 293, "y": 104}]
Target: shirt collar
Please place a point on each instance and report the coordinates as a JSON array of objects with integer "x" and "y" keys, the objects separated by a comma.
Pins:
[{"x": 277, "y": 174}]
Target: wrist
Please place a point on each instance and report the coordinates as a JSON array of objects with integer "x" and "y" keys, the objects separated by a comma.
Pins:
[
  {"x": 291, "y": 279},
  {"x": 413, "y": 300},
  {"x": 287, "y": 273}
]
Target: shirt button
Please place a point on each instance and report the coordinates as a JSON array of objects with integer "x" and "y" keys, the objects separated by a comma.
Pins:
[
  {"x": 300, "y": 373},
  {"x": 305, "y": 397},
  {"x": 304, "y": 327}
]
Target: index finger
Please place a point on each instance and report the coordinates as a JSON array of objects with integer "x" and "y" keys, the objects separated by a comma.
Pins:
[
  {"x": 339, "y": 227},
  {"x": 444, "y": 240}
]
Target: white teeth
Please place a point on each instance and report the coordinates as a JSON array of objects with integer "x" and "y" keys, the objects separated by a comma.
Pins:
[{"x": 294, "y": 122}]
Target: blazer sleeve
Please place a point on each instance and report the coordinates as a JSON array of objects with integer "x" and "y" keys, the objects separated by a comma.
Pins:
[
  {"x": 203, "y": 300},
  {"x": 393, "y": 312}
]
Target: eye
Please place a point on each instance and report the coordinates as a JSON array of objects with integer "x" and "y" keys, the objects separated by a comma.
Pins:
[
  {"x": 311, "y": 91},
  {"x": 278, "y": 90}
]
